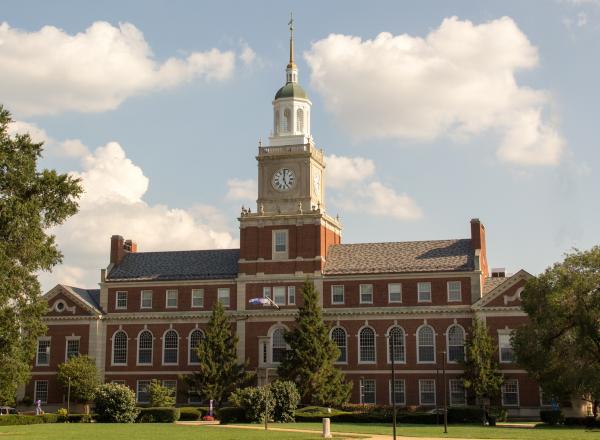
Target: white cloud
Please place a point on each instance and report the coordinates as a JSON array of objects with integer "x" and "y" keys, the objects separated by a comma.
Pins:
[
  {"x": 113, "y": 204},
  {"x": 458, "y": 82},
  {"x": 67, "y": 148},
  {"x": 240, "y": 189},
  {"x": 343, "y": 170},
  {"x": 50, "y": 71},
  {"x": 349, "y": 178},
  {"x": 247, "y": 55}
]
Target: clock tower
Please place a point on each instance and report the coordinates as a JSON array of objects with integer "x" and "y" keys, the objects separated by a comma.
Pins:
[{"x": 290, "y": 231}]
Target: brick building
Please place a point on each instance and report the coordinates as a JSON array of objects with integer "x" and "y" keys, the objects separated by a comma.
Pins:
[{"x": 420, "y": 296}]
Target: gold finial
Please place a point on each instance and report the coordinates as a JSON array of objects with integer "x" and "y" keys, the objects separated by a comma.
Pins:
[{"x": 291, "y": 24}]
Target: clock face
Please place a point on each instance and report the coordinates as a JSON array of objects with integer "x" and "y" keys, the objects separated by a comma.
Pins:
[
  {"x": 283, "y": 179},
  {"x": 317, "y": 183}
]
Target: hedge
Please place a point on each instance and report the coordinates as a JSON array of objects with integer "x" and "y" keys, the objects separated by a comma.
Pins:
[
  {"x": 19, "y": 419},
  {"x": 588, "y": 422},
  {"x": 551, "y": 417},
  {"x": 466, "y": 414},
  {"x": 158, "y": 415},
  {"x": 231, "y": 414},
  {"x": 190, "y": 413}
]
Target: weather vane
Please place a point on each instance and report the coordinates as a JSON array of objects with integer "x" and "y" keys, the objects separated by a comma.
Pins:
[{"x": 291, "y": 23}]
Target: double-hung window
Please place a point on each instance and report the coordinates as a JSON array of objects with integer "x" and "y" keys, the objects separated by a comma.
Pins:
[
  {"x": 337, "y": 294},
  {"x": 267, "y": 292},
  {"x": 121, "y": 303},
  {"x": 395, "y": 293},
  {"x": 454, "y": 293},
  {"x": 367, "y": 391},
  {"x": 424, "y": 292},
  {"x": 43, "y": 352},
  {"x": 143, "y": 391},
  {"x": 172, "y": 297},
  {"x": 457, "y": 392},
  {"x": 223, "y": 296},
  {"x": 146, "y": 299},
  {"x": 366, "y": 293},
  {"x": 72, "y": 348},
  {"x": 279, "y": 295},
  {"x": 280, "y": 243},
  {"x": 427, "y": 392},
  {"x": 41, "y": 391},
  {"x": 197, "y": 298},
  {"x": 397, "y": 395},
  {"x": 291, "y": 291},
  {"x": 507, "y": 354},
  {"x": 510, "y": 392}
]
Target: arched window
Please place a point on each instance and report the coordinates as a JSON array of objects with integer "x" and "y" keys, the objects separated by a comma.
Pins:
[
  {"x": 338, "y": 335},
  {"x": 456, "y": 343},
  {"x": 300, "y": 120},
  {"x": 366, "y": 345},
  {"x": 195, "y": 338},
  {"x": 277, "y": 121},
  {"x": 425, "y": 344},
  {"x": 279, "y": 345},
  {"x": 396, "y": 344},
  {"x": 286, "y": 120},
  {"x": 145, "y": 347},
  {"x": 170, "y": 347},
  {"x": 120, "y": 348}
]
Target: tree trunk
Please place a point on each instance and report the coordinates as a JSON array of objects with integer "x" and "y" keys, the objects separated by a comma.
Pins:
[{"x": 595, "y": 404}]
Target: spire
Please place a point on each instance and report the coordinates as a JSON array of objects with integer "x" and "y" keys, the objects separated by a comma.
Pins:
[{"x": 291, "y": 24}]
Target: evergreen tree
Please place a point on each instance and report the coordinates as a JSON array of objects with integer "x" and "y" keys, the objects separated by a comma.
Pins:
[
  {"x": 481, "y": 374},
  {"x": 219, "y": 372},
  {"x": 310, "y": 361},
  {"x": 160, "y": 395},
  {"x": 81, "y": 372},
  {"x": 31, "y": 203}
]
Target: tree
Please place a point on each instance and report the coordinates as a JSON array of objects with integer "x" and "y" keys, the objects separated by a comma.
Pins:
[
  {"x": 309, "y": 362},
  {"x": 31, "y": 202},
  {"x": 560, "y": 345},
  {"x": 115, "y": 403},
  {"x": 481, "y": 374},
  {"x": 81, "y": 372},
  {"x": 160, "y": 395},
  {"x": 219, "y": 372}
]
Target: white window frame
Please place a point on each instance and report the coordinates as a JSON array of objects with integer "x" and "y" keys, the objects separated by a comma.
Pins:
[
  {"x": 222, "y": 290},
  {"x": 193, "y": 391},
  {"x": 67, "y": 340},
  {"x": 362, "y": 387},
  {"x": 112, "y": 348},
  {"x": 450, "y": 381},
  {"x": 280, "y": 255},
  {"x": 200, "y": 296},
  {"x": 176, "y": 292},
  {"x": 391, "y": 393},
  {"x": 281, "y": 291},
  {"x": 137, "y": 390},
  {"x": 360, "y": 293},
  {"x": 448, "y": 343},
  {"x": 337, "y": 361},
  {"x": 267, "y": 292},
  {"x": 271, "y": 346},
  {"x": 505, "y": 334},
  {"x": 117, "y": 307},
  {"x": 142, "y": 299},
  {"x": 165, "y": 383},
  {"x": 48, "y": 351},
  {"x": 190, "y": 345},
  {"x": 137, "y": 355},
  {"x": 421, "y": 381},
  {"x": 333, "y": 287},
  {"x": 291, "y": 295},
  {"x": 395, "y": 293},
  {"x": 164, "y": 341},
  {"x": 419, "y": 361},
  {"x": 421, "y": 285},
  {"x": 389, "y": 352},
  {"x": 450, "y": 291},
  {"x": 502, "y": 392},
  {"x": 374, "y": 361},
  {"x": 35, "y": 390}
]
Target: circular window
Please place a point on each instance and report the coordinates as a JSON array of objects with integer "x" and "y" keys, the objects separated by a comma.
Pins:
[{"x": 59, "y": 306}]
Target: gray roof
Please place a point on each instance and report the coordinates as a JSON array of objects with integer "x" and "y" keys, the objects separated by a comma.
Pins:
[
  {"x": 177, "y": 265},
  {"x": 492, "y": 282},
  {"x": 409, "y": 256},
  {"x": 90, "y": 296}
]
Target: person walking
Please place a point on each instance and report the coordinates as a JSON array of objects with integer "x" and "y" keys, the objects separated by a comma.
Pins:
[{"x": 38, "y": 407}]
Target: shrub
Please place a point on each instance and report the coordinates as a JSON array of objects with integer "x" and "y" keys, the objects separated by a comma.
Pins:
[
  {"x": 208, "y": 418},
  {"x": 316, "y": 413},
  {"x": 190, "y": 413},
  {"x": 158, "y": 415},
  {"x": 252, "y": 401},
  {"x": 285, "y": 397},
  {"x": 231, "y": 414},
  {"x": 160, "y": 396},
  {"x": 551, "y": 417},
  {"x": 115, "y": 403},
  {"x": 27, "y": 401},
  {"x": 588, "y": 422},
  {"x": 62, "y": 415},
  {"x": 79, "y": 418},
  {"x": 19, "y": 419}
]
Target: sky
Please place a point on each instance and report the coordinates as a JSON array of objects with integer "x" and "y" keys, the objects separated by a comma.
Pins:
[{"x": 430, "y": 113}]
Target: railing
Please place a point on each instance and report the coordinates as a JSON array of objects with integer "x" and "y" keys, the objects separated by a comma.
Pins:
[{"x": 287, "y": 149}]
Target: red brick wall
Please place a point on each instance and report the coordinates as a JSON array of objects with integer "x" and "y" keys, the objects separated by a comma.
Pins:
[{"x": 58, "y": 343}]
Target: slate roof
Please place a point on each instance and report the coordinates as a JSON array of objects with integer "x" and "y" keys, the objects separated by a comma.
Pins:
[
  {"x": 492, "y": 283},
  {"x": 90, "y": 296},
  {"x": 409, "y": 256},
  {"x": 177, "y": 265}
]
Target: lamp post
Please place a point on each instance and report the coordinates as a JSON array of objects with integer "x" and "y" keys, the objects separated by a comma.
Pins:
[
  {"x": 69, "y": 396},
  {"x": 265, "y": 301},
  {"x": 445, "y": 394},
  {"x": 392, "y": 356}
]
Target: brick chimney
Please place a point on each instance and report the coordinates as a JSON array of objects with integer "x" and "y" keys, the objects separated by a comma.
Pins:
[
  {"x": 119, "y": 247},
  {"x": 479, "y": 251}
]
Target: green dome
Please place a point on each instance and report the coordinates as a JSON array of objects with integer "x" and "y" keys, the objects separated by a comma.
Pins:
[{"x": 291, "y": 90}]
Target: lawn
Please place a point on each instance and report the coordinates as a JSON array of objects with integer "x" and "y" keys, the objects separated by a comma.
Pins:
[
  {"x": 155, "y": 431},
  {"x": 461, "y": 431}
]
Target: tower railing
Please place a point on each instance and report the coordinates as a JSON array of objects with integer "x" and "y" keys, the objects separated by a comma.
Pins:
[{"x": 290, "y": 149}]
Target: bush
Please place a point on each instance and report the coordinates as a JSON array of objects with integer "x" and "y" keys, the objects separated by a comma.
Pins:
[
  {"x": 27, "y": 401},
  {"x": 160, "y": 396},
  {"x": 588, "y": 422},
  {"x": 79, "y": 418},
  {"x": 551, "y": 417},
  {"x": 466, "y": 414},
  {"x": 285, "y": 397},
  {"x": 115, "y": 403},
  {"x": 189, "y": 413},
  {"x": 18, "y": 419},
  {"x": 158, "y": 415},
  {"x": 62, "y": 415},
  {"x": 208, "y": 418},
  {"x": 231, "y": 414},
  {"x": 252, "y": 401},
  {"x": 316, "y": 413}
]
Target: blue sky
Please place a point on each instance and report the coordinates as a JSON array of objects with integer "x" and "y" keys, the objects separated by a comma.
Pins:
[{"x": 435, "y": 130}]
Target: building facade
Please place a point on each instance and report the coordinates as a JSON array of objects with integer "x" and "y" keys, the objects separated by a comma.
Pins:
[{"x": 419, "y": 297}]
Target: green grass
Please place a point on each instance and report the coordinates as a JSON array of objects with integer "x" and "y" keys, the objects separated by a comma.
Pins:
[
  {"x": 154, "y": 431},
  {"x": 461, "y": 431}
]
